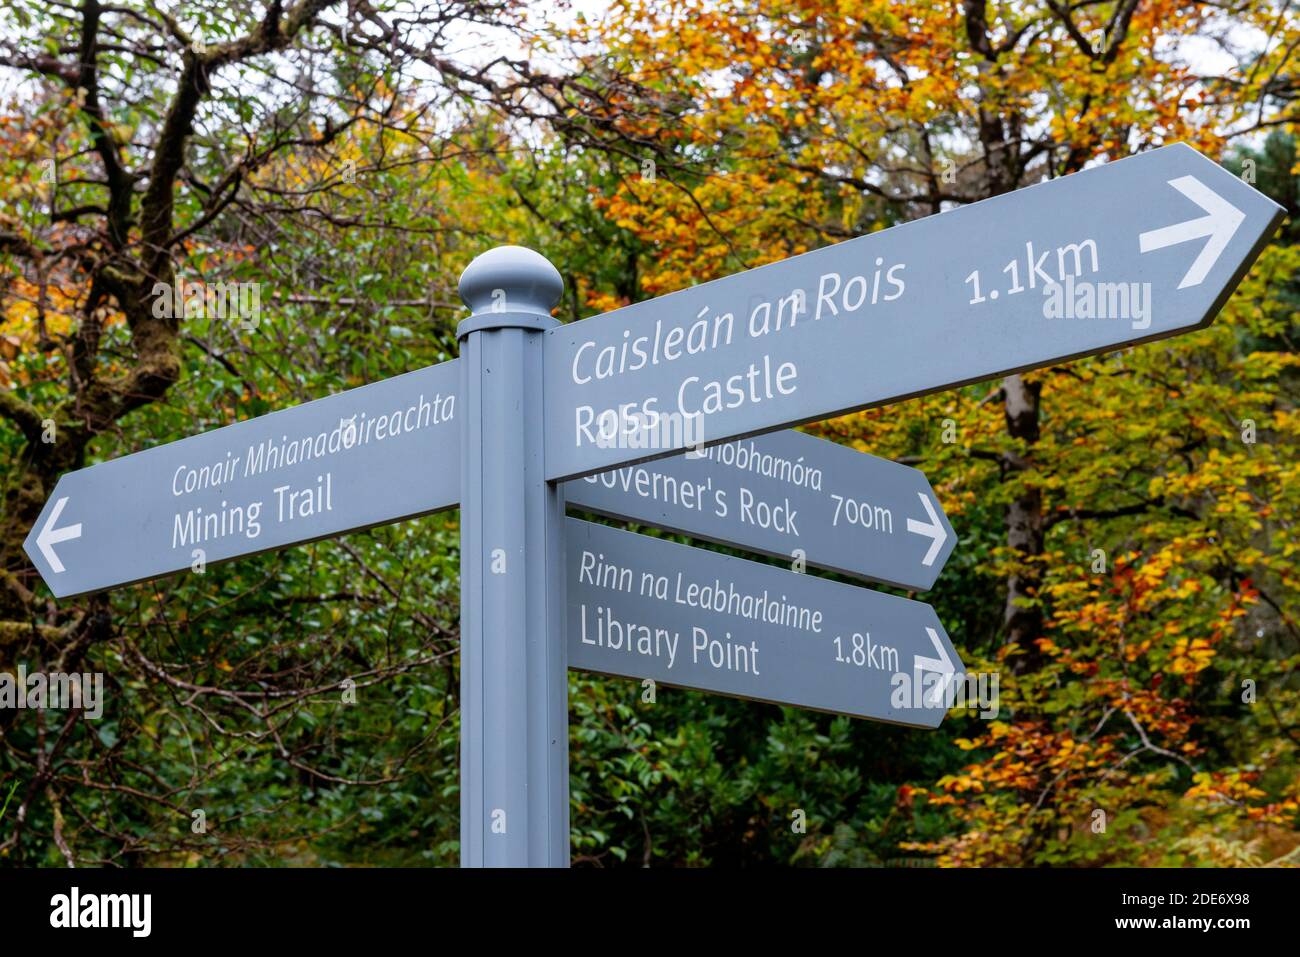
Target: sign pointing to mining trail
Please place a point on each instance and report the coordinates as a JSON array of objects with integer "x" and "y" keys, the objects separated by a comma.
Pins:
[{"x": 379, "y": 453}]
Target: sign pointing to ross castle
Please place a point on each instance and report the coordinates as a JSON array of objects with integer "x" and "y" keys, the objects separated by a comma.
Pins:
[{"x": 1074, "y": 266}]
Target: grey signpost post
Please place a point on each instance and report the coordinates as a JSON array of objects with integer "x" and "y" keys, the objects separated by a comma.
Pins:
[
  {"x": 533, "y": 411},
  {"x": 514, "y": 742}
]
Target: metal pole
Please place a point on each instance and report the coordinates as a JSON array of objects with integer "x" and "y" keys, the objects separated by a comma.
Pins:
[{"x": 514, "y": 751}]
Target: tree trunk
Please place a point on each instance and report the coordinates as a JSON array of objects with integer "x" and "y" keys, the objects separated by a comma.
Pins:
[{"x": 1022, "y": 616}]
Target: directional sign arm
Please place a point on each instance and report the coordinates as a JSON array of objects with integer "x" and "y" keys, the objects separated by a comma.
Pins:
[
  {"x": 371, "y": 455},
  {"x": 647, "y": 608},
  {"x": 789, "y": 495},
  {"x": 971, "y": 294}
]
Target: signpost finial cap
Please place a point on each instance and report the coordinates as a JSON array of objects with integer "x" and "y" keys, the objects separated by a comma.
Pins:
[{"x": 511, "y": 279}]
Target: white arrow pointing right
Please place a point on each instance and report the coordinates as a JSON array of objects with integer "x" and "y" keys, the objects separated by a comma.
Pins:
[
  {"x": 51, "y": 536},
  {"x": 1220, "y": 225},
  {"x": 932, "y": 530},
  {"x": 941, "y": 665}
]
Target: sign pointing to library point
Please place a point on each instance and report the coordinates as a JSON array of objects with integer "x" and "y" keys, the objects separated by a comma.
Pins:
[
  {"x": 375, "y": 454},
  {"x": 791, "y": 496},
  {"x": 642, "y": 607},
  {"x": 1087, "y": 263}
]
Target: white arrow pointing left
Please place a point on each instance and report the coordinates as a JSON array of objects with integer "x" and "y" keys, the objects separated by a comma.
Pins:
[
  {"x": 941, "y": 665},
  {"x": 1220, "y": 225},
  {"x": 933, "y": 530},
  {"x": 51, "y": 536}
]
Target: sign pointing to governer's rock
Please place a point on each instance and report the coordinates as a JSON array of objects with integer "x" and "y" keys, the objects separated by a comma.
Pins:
[
  {"x": 374, "y": 454},
  {"x": 788, "y": 495},
  {"x": 1074, "y": 266}
]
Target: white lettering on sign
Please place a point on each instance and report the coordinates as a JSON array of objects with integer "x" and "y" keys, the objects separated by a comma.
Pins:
[
  {"x": 1036, "y": 264},
  {"x": 631, "y": 355},
  {"x": 777, "y": 517},
  {"x": 851, "y": 297},
  {"x": 599, "y": 627},
  {"x": 650, "y": 483},
  {"x": 760, "y": 381},
  {"x": 195, "y": 525},
  {"x": 725, "y": 653},
  {"x": 269, "y": 455},
  {"x": 748, "y": 457},
  {"x": 853, "y": 512},
  {"x": 234, "y": 518},
  {"x": 714, "y": 595}
]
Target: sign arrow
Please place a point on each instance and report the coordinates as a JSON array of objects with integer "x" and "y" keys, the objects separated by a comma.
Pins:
[
  {"x": 789, "y": 495},
  {"x": 940, "y": 666},
  {"x": 970, "y": 294},
  {"x": 1220, "y": 224},
  {"x": 643, "y": 607},
  {"x": 51, "y": 536},
  {"x": 932, "y": 530}
]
